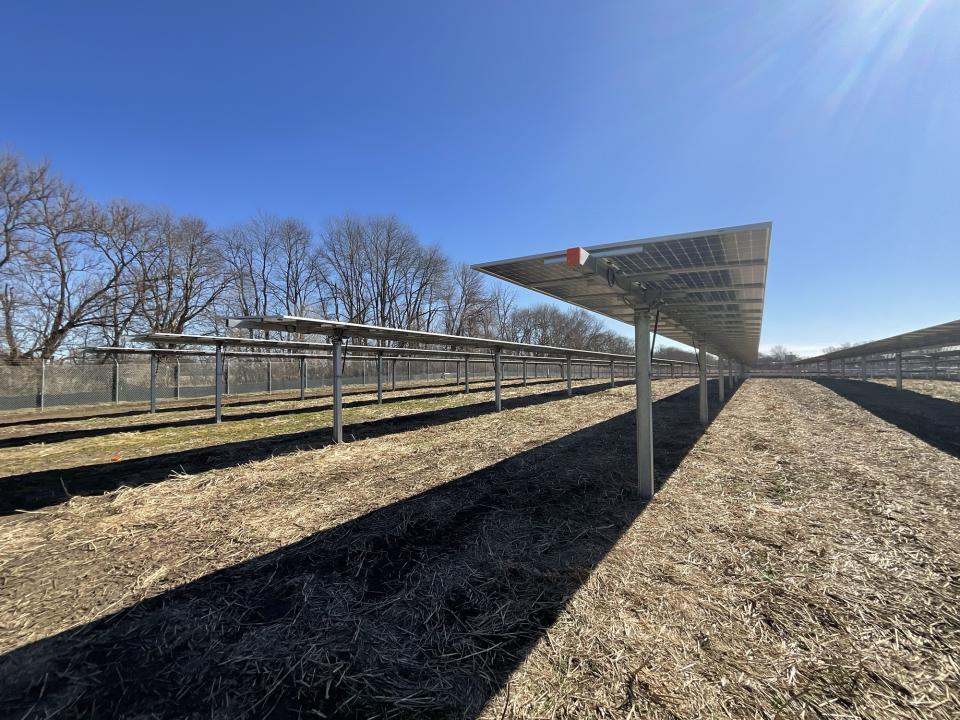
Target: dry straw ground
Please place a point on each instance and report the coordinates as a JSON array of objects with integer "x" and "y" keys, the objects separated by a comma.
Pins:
[{"x": 800, "y": 560}]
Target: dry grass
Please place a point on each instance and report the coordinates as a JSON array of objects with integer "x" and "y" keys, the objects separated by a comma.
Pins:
[
  {"x": 801, "y": 561},
  {"x": 102, "y": 439}
]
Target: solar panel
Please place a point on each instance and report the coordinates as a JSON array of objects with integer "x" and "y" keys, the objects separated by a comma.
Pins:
[
  {"x": 936, "y": 336},
  {"x": 709, "y": 286},
  {"x": 336, "y": 328}
]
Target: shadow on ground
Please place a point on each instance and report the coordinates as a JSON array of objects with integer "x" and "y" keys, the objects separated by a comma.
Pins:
[
  {"x": 421, "y": 608},
  {"x": 933, "y": 420},
  {"x": 35, "y": 490}
]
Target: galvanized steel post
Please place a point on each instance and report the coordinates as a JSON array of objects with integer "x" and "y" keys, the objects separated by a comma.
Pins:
[
  {"x": 466, "y": 374},
  {"x": 337, "y": 390},
  {"x": 116, "y": 381},
  {"x": 497, "y": 373},
  {"x": 704, "y": 405},
  {"x": 153, "y": 382},
  {"x": 720, "y": 377},
  {"x": 899, "y": 370},
  {"x": 613, "y": 380},
  {"x": 524, "y": 363},
  {"x": 569, "y": 378},
  {"x": 42, "y": 395},
  {"x": 641, "y": 322},
  {"x": 379, "y": 378},
  {"x": 176, "y": 379},
  {"x": 303, "y": 378},
  {"x": 218, "y": 384}
]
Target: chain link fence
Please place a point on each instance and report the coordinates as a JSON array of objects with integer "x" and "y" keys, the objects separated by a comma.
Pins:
[{"x": 41, "y": 385}]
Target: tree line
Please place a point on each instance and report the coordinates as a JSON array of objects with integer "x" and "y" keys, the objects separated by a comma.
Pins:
[{"x": 76, "y": 272}]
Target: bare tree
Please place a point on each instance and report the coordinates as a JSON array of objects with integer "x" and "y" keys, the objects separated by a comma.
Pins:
[
  {"x": 292, "y": 284},
  {"x": 465, "y": 301},
  {"x": 182, "y": 274},
  {"x": 66, "y": 273},
  {"x": 339, "y": 274},
  {"x": 250, "y": 250}
]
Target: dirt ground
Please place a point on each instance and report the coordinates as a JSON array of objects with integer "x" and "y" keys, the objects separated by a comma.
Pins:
[{"x": 800, "y": 560}]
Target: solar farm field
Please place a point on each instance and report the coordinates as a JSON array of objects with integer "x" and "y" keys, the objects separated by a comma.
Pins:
[{"x": 799, "y": 559}]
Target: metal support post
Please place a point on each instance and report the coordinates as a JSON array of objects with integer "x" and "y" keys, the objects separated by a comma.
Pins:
[
  {"x": 116, "y": 381},
  {"x": 42, "y": 394},
  {"x": 613, "y": 379},
  {"x": 393, "y": 374},
  {"x": 176, "y": 379},
  {"x": 379, "y": 378},
  {"x": 641, "y": 323},
  {"x": 704, "y": 406},
  {"x": 337, "y": 390},
  {"x": 303, "y": 378},
  {"x": 569, "y": 378},
  {"x": 899, "y": 371},
  {"x": 720, "y": 378},
  {"x": 497, "y": 373},
  {"x": 524, "y": 363},
  {"x": 153, "y": 382},
  {"x": 218, "y": 384},
  {"x": 466, "y": 374},
  {"x": 226, "y": 376},
  {"x": 269, "y": 376},
  {"x": 863, "y": 368},
  {"x": 363, "y": 371},
  {"x": 933, "y": 366}
]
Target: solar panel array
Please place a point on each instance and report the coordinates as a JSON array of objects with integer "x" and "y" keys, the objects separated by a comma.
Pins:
[
  {"x": 352, "y": 330},
  {"x": 711, "y": 283},
  {"x": 936, "y": 336},
  {"x": 335, "y": 328}
]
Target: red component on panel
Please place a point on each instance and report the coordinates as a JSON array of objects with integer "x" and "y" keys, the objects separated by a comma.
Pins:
[{"x": 576, "y": 256}]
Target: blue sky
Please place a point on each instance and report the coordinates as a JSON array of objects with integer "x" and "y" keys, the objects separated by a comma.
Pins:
[{"x": 502, "y": 129}]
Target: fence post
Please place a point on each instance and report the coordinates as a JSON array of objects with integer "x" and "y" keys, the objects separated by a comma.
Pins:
[
  {"x": 269, "y": 376},
  {"x": 176, "y": 380},
  {"x": 154, "y": 361},
  {"x": 41, "y": 399},
  {"x": 116, "y": 380},
  {"x": 226, "y": 376},
  {"x": 303, "y": 378}
]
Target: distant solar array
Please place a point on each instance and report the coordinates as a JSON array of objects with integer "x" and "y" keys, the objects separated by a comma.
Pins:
[{"x": 945, "y": 335}]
